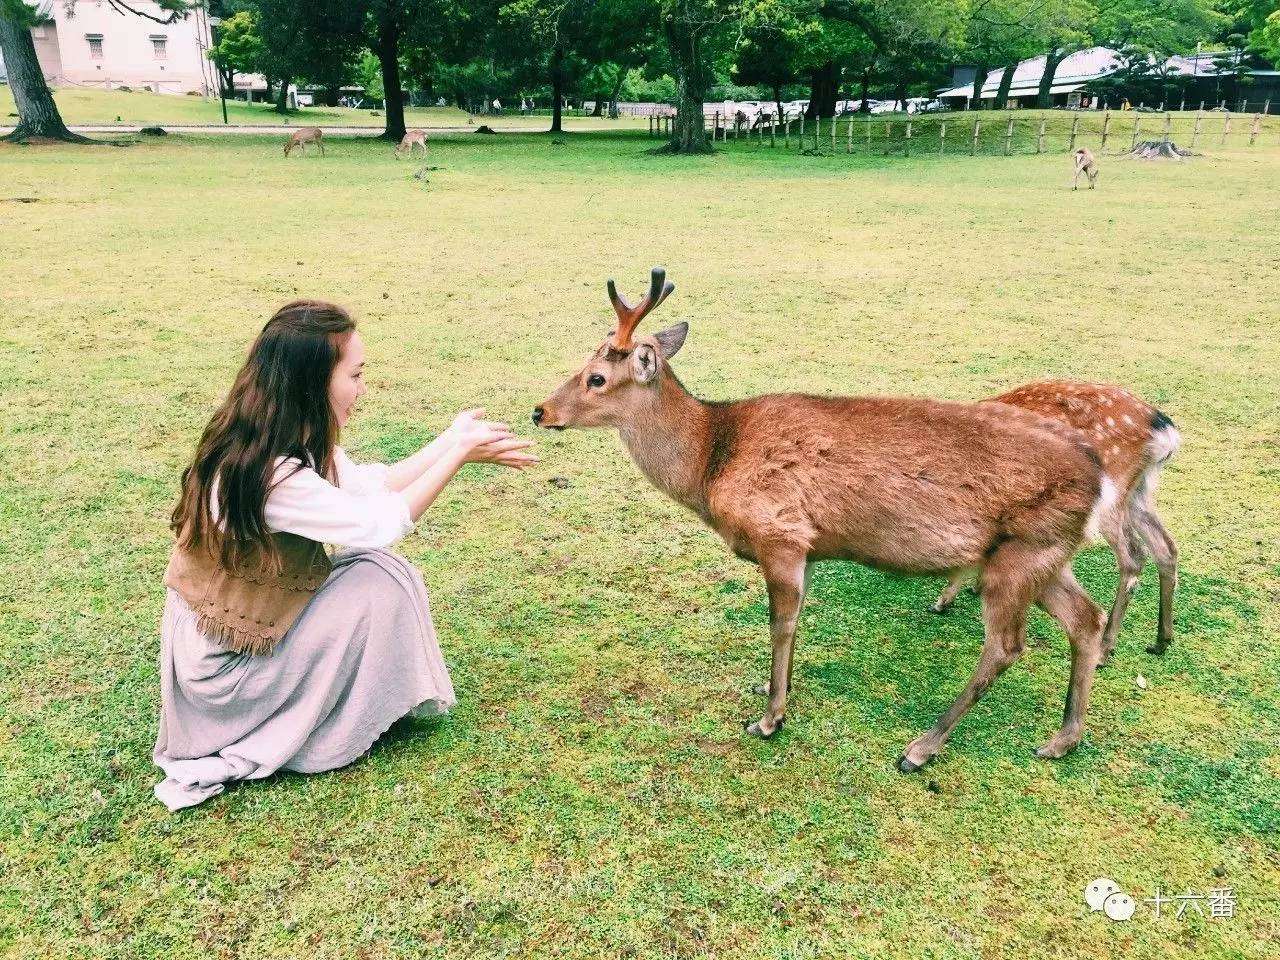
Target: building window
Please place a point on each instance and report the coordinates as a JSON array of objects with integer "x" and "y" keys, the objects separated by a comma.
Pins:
[
  {"x": 95, "y": 46},
  {"x": 158, "y": 48}
]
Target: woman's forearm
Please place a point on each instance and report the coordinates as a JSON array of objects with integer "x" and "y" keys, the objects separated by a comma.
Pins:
[
  {"x": 400, "y": 475},
  {"x": 422, "y": 491}
]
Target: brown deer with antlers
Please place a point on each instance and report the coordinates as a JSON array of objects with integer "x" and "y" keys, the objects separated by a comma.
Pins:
[
  {"x": 304, "y": 136},
  {"x": 1134, "y": 441},
  {"x": 911, "y": 485}
]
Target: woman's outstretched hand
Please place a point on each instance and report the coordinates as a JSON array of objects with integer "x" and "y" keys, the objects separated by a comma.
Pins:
[{"x": 486, "y": 441}]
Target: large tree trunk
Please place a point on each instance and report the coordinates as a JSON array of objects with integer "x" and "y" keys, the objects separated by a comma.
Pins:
[
  {"x": 389, "y": 57},
  {"x": 777, "y": 102},
  {"x": 900, "y": 94},
  {"x": 865, "y": 107},
  {"x": 1006, "y": 81},
  {"x": 282, "y": 99},
  {"x": 979, "y": 81},
  {"x": 682, "y": 30},
  {"x": 823, "y": 88},
  {"x": 37, "y": 113},
  {"x": 1044, "y": 99},
  {"x": 331, "y": 96},
  {"x": 613, "y": 94},
  {"x": 557, "y": 90}
]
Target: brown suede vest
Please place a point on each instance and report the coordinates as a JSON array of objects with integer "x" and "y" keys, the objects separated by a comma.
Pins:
[{"x": 250, "y": 610}]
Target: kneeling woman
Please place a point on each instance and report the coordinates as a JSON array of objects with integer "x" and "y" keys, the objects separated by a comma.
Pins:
[{"x": 273, "y": 655}]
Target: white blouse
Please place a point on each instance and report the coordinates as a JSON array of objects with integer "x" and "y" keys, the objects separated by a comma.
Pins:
[{"x": 359, "y": 512}]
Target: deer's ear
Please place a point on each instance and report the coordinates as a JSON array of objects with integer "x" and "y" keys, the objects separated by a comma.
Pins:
[
  {"x": 671, "y": 339},
  {"x": 644, "y": 364}
]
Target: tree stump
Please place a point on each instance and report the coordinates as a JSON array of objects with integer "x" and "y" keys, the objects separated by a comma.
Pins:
[{"x": 1158, "y": 150}]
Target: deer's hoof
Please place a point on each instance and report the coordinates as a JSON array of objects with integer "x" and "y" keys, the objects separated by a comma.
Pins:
[
  {"x": 755, "y": 730},
  {"x": 939, "y": 608},
  {"x": 906, "y": 766},
  {"x": 1157, "y": 649},
  {"x": 1057, "y": 748}
]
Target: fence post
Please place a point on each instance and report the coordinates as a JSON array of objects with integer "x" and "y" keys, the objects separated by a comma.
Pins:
[
  {"x": 1182, "y": 107},
  {"x": 1106, "y": 129},
  {"x": 1266, "y": 106},
  {"x": 1202, "y": 106},
  {"x": 833, "y": 134},
  {"x": 1253, "y": 133},
  {"x": 942, "y": 138},
  {"x": 786, "y": 132},
  {"x": 773, "y": 131},
  {"x": 1195, "y": 132},
  {"x": 1168, "y": 126},
  {"x": 1137, "y": 122},
  {"x": 1008, "y": 137},
  {"x": 1040, "y": 136},
  {"x": 1075, "y": 129},
  {"x": 817, "y": 131},
  {"x": 973, "y": 147},
  {"x": 848, "y": 147},
  {"x": 801, "y": 131},
  {"x": 906, "y": 149},
  {"x": 650, "y": 126},
  {"x": 1226, "y": 129}
]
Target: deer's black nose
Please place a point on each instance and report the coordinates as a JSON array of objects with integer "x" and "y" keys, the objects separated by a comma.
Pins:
[{"x": 537, "y": 416}]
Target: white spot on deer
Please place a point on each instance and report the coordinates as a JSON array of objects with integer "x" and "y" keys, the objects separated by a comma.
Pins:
[
  {"x": 1115, "y": 451},
  {"x": 1111, "y": 421},
  {"x": 1128, "y": 419}
]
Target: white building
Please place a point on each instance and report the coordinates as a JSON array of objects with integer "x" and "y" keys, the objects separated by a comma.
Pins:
[{"x": 94, "y": 44}]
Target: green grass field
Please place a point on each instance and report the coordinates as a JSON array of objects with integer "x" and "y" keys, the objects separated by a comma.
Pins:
[
  {"x": 100, "y": 107},
  {"x": 592, "y": 796}
]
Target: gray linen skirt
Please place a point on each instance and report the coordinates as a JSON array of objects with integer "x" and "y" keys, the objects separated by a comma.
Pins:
[{"x": 362, "y": 655}]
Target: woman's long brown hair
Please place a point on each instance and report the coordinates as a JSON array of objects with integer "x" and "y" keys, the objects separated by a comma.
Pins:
[{"x": 277, "y": 407}]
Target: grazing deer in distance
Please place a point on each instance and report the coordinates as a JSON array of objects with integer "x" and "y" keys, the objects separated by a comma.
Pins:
[
  {"x": 1087, "y": 165},
  {"x": 304, "y": 136},
  {"x": 1135, "y": 441},
  {"x": 911, "y": 485},
  {"x": 411, "y": 139}
]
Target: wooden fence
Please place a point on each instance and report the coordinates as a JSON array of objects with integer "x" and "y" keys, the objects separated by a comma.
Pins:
[{"x": 991, "y": 132}]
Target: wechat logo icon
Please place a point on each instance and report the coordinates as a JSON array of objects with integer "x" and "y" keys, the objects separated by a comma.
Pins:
[{"x": 1105, "y": 895}]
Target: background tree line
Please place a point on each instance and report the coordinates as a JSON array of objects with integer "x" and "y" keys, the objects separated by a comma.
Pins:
[{"x": 684, "y": 52}]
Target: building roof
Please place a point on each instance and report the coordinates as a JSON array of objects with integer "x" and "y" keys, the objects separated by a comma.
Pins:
[
  {"x": 1081, "y": 67},
  {"x": 1072, "y": 73}
]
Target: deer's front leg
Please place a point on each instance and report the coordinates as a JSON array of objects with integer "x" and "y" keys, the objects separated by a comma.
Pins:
[{"x": 785, "y": 579}]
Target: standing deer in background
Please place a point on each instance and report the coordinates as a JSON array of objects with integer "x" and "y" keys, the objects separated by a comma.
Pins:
[
  {"x": 304, "y": 136},
  {"x": 411, "y": 139},
  {"x": 1135, "y": 441},
  {"x": 1085, "y": 164},
  {"x": 912, "y": 485}
]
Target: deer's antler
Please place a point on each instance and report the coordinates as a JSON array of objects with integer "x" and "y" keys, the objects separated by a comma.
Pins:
[{"x": 629, "y": 317}]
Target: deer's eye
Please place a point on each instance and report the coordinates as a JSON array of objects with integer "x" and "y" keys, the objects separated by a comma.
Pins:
[{"x": 595, "y": 380}]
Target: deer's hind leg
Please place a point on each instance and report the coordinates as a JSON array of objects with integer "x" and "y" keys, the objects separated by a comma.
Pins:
[
  {"x": 1012, "y": 579},
  {"x": 1065, "y": 600}
]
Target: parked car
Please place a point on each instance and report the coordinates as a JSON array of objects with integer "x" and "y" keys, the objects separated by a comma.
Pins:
[{"x": 925, "y": 105}]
